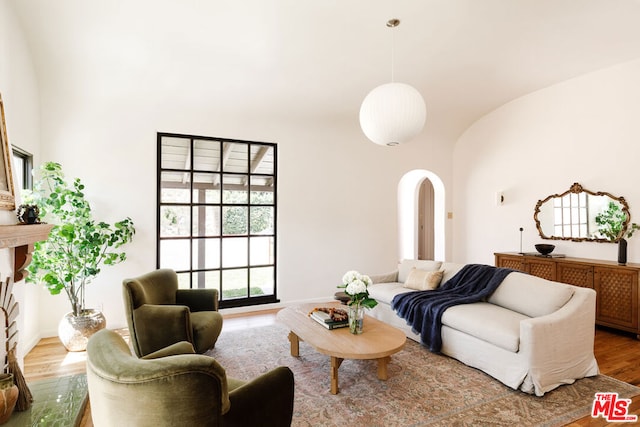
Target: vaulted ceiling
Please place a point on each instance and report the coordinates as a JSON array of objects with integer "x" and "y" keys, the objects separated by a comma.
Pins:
[{"x": 307, "y": 60}]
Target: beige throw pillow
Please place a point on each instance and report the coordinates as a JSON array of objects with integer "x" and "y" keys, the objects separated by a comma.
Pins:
[{"x": 423, "y": 280}]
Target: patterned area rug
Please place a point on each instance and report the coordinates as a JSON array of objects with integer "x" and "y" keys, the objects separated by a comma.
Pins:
[{"x": 423, "y": 389}]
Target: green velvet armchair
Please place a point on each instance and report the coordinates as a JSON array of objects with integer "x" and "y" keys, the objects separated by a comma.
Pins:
[
  {"x": 159, "y": 314},
  {"x": 171, "y": 388}
]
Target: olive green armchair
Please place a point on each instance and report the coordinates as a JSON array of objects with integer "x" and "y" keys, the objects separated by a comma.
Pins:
[
  {"x": 176, "y": 387},
  {"x": 159, "y": 314}
]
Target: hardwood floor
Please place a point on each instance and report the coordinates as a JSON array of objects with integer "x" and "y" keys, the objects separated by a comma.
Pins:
[{"x": 618, "y": 356}]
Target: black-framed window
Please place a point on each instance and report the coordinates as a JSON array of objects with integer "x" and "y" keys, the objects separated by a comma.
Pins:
[
  {"x": 217, "y": 215},
  {"x": 23, "y": 167}
]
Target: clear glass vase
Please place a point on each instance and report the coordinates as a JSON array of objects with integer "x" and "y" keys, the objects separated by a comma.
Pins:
[{"x": 356, "y": 318}]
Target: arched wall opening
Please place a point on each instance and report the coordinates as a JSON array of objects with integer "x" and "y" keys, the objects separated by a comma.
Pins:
[{"x": 408, "y": 214}]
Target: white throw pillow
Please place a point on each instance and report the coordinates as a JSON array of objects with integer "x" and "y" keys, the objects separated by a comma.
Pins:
[
  {"x": 421, "y": 280},
  {"x": 406, "y": 265}
]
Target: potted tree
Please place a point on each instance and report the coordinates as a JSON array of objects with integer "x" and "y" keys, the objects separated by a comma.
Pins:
[{"x": 76, "y": 249}]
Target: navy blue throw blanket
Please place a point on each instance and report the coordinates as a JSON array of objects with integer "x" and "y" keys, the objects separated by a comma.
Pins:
[{"x": 423, "y": 309}]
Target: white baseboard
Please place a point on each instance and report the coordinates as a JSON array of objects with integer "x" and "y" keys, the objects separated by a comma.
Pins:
[{"x": 263, "y": 307}]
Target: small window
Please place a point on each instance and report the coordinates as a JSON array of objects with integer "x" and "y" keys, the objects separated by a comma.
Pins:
[{"x": 23, "y": 165}]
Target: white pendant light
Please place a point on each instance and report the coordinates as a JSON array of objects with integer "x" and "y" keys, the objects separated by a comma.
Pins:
[{"x": 392, "y": 113}]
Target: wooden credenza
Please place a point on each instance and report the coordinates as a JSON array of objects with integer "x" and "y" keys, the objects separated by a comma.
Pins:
[{"x": 616, "y": 285}]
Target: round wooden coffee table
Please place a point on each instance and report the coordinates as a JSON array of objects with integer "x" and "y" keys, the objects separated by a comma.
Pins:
[{"x": 378, "y": 340}]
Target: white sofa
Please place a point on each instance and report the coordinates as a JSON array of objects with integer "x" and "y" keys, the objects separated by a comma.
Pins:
[{"x": 531, "y": 334}]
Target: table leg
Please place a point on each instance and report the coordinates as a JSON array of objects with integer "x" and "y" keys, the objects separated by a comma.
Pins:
[
  {"x": 382, "y": 367},
  {"x": 335, "y": 364},
  {"x": 295, "y": 344}
]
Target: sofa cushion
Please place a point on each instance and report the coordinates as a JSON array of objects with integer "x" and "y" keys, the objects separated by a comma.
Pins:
[
  {"x": 406, "y": 265},
  {"x": 384, "y": 277},
  {"x": 421, "y": 280},
  {"x": 488, "y": 322},
  {"x": 384, "y": 292},
  {"x": 530, "y": 295}
]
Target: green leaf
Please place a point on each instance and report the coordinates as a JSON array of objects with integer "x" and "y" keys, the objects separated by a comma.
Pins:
[
  {"x": 369, "y": 303},
  {"x": 611, "y": 223},
  {"x": 77, "y": 245}
]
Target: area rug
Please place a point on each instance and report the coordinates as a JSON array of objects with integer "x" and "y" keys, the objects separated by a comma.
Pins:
[{"x": 423, "y": 389}]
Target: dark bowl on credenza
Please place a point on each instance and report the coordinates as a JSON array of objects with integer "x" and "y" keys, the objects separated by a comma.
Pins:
[{"x": 545, "y": 248}]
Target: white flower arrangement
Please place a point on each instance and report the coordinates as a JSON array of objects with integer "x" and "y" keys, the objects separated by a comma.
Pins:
[{"x": 355, "y": 285}]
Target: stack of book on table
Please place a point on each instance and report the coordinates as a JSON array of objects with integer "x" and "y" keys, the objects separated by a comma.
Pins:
[{"x": 329, "y": 322}]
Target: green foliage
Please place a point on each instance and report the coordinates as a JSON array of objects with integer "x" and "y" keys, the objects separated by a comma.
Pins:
[
  {"x": 234, "y": 220},
  {"x": 78, "y": 245},
  {"x": 241, "y": 292},
  {"x": 611, "y": 221},
  {"x": 367, "y": 302}
]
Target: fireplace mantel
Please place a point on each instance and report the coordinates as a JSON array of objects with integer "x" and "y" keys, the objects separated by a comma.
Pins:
[{"x": 21, "y": 238}]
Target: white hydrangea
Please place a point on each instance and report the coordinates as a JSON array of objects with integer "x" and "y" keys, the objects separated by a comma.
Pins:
[
  {"x": 355, "y": 287},
  {"x": 350, "y": 276},
  {"x": 366, "y": 279}
]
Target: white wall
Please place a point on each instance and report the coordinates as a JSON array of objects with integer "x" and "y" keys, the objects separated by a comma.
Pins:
[
  {"x": 19, "y": 89},
  {"x": 584, "y": 130}
]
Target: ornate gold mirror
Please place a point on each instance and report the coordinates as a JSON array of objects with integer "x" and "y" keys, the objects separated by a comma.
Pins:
[
  {"x": 582, "y": 215},
  {"x": 7, "y": 194}
]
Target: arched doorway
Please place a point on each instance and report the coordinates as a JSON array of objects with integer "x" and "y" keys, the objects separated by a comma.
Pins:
[
  {"x": 425, "y": 220},
  {"x": 409, "y": 221}
]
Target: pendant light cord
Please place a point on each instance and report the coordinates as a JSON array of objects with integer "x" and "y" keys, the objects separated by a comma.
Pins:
[
  {"x": 393, "y": 55},
  {"x": 393, "y": 23}
]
